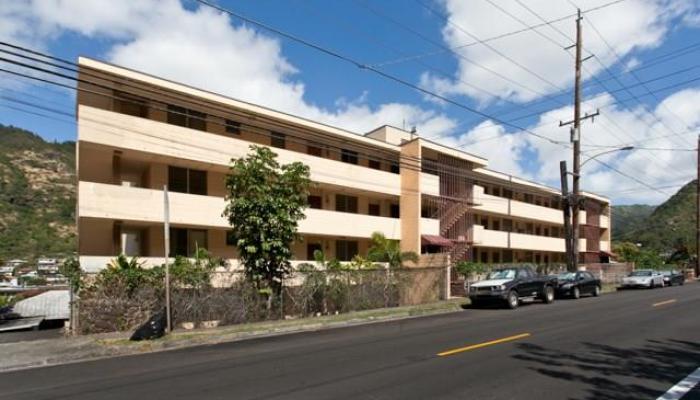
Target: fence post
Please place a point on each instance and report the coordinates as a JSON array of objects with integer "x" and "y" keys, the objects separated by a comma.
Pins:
[{"x": 448, "y": 282}]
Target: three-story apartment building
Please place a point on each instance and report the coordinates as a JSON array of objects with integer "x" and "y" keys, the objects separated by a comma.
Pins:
[{"x": 138, "y": 133}]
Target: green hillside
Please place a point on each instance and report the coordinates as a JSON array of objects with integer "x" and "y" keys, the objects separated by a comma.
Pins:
[
  {"x": 629, "y": 218},
  {"x": 37, "y": 195},
  {"x": 670, "y": 226}
]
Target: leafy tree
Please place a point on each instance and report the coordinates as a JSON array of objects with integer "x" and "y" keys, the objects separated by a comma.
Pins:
[
  {"x": 196, "y": 273},
  {"x": 70, "y": 268},
  {"x": 626, "y": 251},
  {"x": 389, "y": 251},
  {"x": 266, "y": 201},
  {"x": 468, "y": 269}
]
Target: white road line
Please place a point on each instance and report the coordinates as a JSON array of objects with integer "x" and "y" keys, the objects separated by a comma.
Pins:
[{"x": 682, "y": 387}]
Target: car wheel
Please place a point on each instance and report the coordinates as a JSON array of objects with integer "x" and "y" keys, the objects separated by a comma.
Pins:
[
  {"x": 596, "y": 291},
  {"x": 512, "y": 300},
  {"x": 575, "y": 293},
  {"x": 651, "y": 285},
  {"x": 548, "y": 294},
  {"x": 477, "y": 304}
]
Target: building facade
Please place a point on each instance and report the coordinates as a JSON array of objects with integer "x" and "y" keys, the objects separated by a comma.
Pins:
[{"x": 138, "y": 133}]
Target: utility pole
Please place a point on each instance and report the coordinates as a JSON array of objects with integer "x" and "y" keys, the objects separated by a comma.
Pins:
[
  {"x": 576, "y": 140},
  {"x": 166, "y": 231},
  {"x": 697, "y": 216},
  {"x": 566, "y": 206}
]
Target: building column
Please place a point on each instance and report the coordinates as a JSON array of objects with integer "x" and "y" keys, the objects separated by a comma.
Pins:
[{"x": 410, "y": 201}]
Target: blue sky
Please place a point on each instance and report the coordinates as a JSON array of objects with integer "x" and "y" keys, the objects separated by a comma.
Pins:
[{"x": 517, "y": 75}]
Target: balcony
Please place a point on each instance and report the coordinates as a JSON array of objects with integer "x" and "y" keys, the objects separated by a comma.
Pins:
[
  {"x": 170, "y": 141},
  {"x": 98, "y": 200},
  {"x": 518, "y": 241},
  {"x": 429, "y": 226},
  {"x": 503, "y": 206},
  {"x": 604, "y": 222}
]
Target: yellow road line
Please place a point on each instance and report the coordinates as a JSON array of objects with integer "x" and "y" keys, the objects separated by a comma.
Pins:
[
  {"x": 480, "y": 345},
  {"x": 662, "y": 303}
]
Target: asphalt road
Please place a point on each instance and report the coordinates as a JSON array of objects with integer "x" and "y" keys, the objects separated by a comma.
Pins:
[{"x": 627, "y": 345}]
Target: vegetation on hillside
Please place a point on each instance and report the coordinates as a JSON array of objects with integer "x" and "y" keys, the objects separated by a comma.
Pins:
[
  {"x": 668, "y": 229},
  {"x": 37, "y": 196}
]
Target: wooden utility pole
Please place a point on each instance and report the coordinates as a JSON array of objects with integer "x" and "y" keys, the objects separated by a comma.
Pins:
[
  {"x": 697, "y": 215},
  {"x": 566, "y": 206},
  {"x": 575, "y": 201},
  {"x": 166, "y": 231}
]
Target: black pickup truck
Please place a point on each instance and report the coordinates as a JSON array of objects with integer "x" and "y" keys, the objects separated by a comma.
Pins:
[{"x": 510, "y": 285}]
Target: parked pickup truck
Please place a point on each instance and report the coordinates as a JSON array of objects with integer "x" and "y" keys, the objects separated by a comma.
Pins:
[{"x": 511, "y": 285}]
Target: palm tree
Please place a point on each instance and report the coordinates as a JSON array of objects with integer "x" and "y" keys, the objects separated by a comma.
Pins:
[{"x": 389, "y": 251}]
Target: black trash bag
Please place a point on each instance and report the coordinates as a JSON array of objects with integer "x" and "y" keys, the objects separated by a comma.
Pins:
[{"x": 154, "y": 328}]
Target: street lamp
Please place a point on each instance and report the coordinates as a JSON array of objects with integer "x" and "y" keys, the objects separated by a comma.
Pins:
[{"x": 626, "y": 148}]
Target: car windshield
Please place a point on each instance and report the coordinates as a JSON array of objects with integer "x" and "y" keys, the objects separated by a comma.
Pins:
[
  {"x": 641, "y": 273},
  {"x": 567, "y": 276},
  {"x": 502, "y": 274},
  {"x": 667, "y": 273}
]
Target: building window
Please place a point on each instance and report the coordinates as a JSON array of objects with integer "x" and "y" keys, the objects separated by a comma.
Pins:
[
  {"x": 314, "y": 150},
  {"x": 233, "y": 127},
  {"x": 312, "y": 248},
  {"x": 394, "y": 211},
  {"x": 394, "y": 168},
  {"x": 229, "y": 239},
  {"x": 374, "y": 209},
  {"x": 184, "y": 180},
  {"x": 345, "y": 203},
  {"x": 374, "y": 164},
  {"x": 185, "y": 242},
  {"x": 315, "y": 202},
  {"x": 129, "y": 104},
  {"x": 182, "y": 116},
  {"x": 348, "y": 156},
  {"x": 345, "y": 250},
  {"x": 484, "y": 257},
  {"x": 278, "y": 140}
]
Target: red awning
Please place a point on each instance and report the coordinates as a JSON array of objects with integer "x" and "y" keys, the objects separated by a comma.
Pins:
[{"x": 435, "y": 240}]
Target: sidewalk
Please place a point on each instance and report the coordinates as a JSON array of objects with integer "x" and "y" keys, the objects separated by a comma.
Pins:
[{"x": 37, "y": 353}]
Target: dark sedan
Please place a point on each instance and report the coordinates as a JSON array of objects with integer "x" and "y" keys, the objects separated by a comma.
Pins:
[
  {"x": 673, "y": 277},
  {"x": 575, "y": 284}
]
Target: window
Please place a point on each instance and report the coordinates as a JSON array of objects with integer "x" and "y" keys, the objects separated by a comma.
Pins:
[
  {"x": 314, "y": 150},
  {"x": 184, "y": 180},
  {"x": 496, "y": 257},
  {"x": 394, "y": 168},
  {"x": 394, "y": 211},
  {"x": 348, "y": 156},
  {"x": 345, "y": 203},
  {"x": 229, "y": 239},
  {"x": 277, "y": 140},
  {"x": 496, "y": 225},
  {"x": 184, "y": 242},
  {"x": 315, "y": 202},
  {"x": 508, "y": 225},
  {"x": 129, "y": 104},
  {"x": 374, "y": 209},
  {"x": 345, "y": 250},
  {"x": 484, "y": 257},
  {"x": 374, "y": 164},
  {"x": 507, "y": 193},
  {"x": 182, "y": 116},
  {"x": 311, "y": 248},
  {"x": 233, "y": 127}
]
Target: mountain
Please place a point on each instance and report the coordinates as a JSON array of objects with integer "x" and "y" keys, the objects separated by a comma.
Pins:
[
  {"x": 629, "y": 218},
  {"x": 37, "y": 196},
  {"x": 668, "y": 226}
]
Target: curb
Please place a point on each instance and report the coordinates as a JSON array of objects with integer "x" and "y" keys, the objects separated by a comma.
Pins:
[{"x": 98, "y": 348}]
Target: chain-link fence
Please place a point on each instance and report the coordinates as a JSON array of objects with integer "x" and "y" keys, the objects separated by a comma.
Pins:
[{"x": 229, "y": 298}]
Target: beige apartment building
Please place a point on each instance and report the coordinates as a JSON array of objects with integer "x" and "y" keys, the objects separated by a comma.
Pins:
[{"x": 138, "y": 133}]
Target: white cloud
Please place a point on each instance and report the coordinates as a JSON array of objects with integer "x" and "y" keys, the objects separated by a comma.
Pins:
[
  {"x": 202, "y": 48},
  {"x": 626, "y": 26},
  {"x": 657, "y": 168}
]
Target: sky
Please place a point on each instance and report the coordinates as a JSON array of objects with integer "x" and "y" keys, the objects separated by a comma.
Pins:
[{"x": 501, "y": 64}]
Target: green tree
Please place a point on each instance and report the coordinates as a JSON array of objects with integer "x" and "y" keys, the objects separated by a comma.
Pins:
[
  {"x": 626, "y": 251},
  {"x": 389, "y": 251},
  {"x": 70, "y": 268},
  {"x": 469, "y": 269},
  {"x": 266, "y": 201}
]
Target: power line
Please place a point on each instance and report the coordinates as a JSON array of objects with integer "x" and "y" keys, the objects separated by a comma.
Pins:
[{"x": 493, "y": 38}]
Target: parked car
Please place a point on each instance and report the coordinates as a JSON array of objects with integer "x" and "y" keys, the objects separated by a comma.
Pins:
[
  {"x": 574, "y": 284},
  {"x": 643, "y": 278},
  {"x": 511, "y": 285},
  {"x": 673, "y": 277}
]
